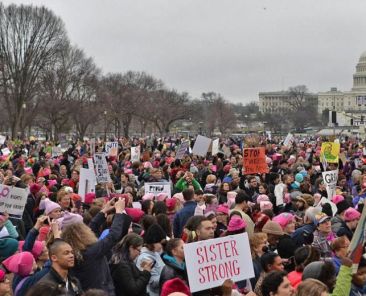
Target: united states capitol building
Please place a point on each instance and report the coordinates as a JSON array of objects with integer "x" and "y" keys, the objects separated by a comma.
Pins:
[{"x": 349, "y": 105}]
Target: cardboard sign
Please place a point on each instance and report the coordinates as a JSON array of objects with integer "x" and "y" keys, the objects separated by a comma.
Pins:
[
  {"x": 101, "y": 168},
  {"x": 12, "y": 200},
  {"x": 182, "y": 150},
  {"x": 158, "y": 187},
  {"x": 215, "y": 146},
  {"x": 111, "y": 148},
  {"x": 289, "y": 140},
  {"x": 254, "y": 161},
  {"x": 5, "y": 151},
  {"x": 213, "y": 261},
  {"x": 330, "y": 180},
  {"x": 87, "y": 182},
  {"x": 2, "y": 140},
  {"x": 135, "y": 153},
  {"x": 330, "y": 151},
  {"x": 201, "y": 146}
]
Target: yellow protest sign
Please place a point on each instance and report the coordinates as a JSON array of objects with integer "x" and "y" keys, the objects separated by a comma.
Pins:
[{"x": 331, "y": 150}]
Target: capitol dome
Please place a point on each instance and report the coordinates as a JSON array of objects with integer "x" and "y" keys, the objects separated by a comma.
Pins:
[{"x": 359, "y": 78}]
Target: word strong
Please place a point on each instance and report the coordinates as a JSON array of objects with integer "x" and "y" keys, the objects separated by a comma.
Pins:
[{"x": 213, "y": 261}]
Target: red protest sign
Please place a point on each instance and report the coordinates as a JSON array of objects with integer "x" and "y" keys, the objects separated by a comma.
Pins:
[{"x": 254, "y": 161}]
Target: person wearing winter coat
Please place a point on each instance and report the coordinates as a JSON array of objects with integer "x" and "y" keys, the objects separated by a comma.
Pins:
[{"x": 128, "y": 279}]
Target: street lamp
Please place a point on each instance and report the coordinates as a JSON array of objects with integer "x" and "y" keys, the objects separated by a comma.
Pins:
[{"x": 105, "y": 125}]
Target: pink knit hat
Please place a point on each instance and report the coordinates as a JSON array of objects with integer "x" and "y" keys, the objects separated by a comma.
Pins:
[
  {"x": 148, "y": 196},
  {"x": 2, "y": 275},
  {"x": 161, "y": 197},
  {"x": 265, "y": 205},
  {"x": 48, "y": 206},
  {"x": 224, "y": 209},
  {"x": 351, "y": 214},
  {"x": 20, "y": 263},
  {"x": 135, "y": 214},
  {"x": 70, "y": 219},
  {"x": 37, "y": 248},
  {"x": 337, "y": 198},
  {"x": 262, "y": 197},
  {"x": 284, "y": 219},
  {"x": 28, "y": 171},
  {"x": 52, "y": 183},
  {"x": 236, "y": 223},
  {"x": 179, "y": 196},
  {"x": 89, "y": 198}
]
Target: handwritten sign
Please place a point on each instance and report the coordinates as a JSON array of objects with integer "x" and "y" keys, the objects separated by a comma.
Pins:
[
  {"x": 330, "y": 150},
  {"x": 288, "y": 140},
  {"x": 254, "y": 161},
  {"x": 213, "y": 261},
  {"x": 201, "y": 146},
  {"x": 158, "y": 187},
  {"x": 111, "y": 148},
  {"x": 12, "y": 200},
  {"x": 135, "y": 153},
  {"x": 330, "y": 180},
  {"x": 182, "y": 150},
  {"x": 101, "y": 168}
]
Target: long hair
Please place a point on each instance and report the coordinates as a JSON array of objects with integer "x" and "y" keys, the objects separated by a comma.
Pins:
[
  {"x": 80, "y": 237},
  {"x": 121, "y": 251},
  {"x": 311, "y": 287}
]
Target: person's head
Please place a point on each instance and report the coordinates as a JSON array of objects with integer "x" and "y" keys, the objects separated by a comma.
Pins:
[
  {"x": 188, "y": 194},
  {"x": 212, "y": 216},
  {"x": 312, "y": 287},
  {"x": 351, "y": 217},
  {"x": 64, "y": 199},
  {"x": 154, "y": 237},
  {"x": 174, "y": 248},
  {"x": 359, "y": 278},
  {"x": 253, "y": 183},
  {"x": 323, "y": 223},
  {"x": 205, "y": 230},
  {"x": 156, "y": 173},
  {"x": 323, "y": 271},
  {"x": 340, "y": 246},
  {"x": 263, "y": 188},
  {"x": 61, "y": 255},
  {"x": 273, "y": 231},
  {"x": 304, "y": 256},
  {"x": 147, "y": 206},
  {"x": 128, "y": 249},
  {"x": 75, "y": 175},
  {"x": 211, "y": 179},
  {"x": 5, "y": 288},
  {"x": 46, "y": 289},
  {"x": 225, "y": 187},
  {"x": 310, "y": 215},
  {"x": 271, "y": 261},
  {"x": 286, "y": 221},
  {"x": 241, "y": 200},
  {"x": 159, "y": 208},
  {"x": 63, "y": 170},
  {"x": 258, "y": 244},
  {"x": 164, "y": 222},
  {"x": 276, "y": 283}
]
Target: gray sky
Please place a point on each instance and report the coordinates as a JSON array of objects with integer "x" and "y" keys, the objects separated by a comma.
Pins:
[{"x": 235, "y": 47}]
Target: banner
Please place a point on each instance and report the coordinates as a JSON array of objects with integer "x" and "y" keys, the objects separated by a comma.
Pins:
[
  {"x": 215, "y": 147},
  {"x": 87, "y": 182},
  {"x": 211, "y": 262},
  {"x": 254, "y": 161},
  {"x": 201, "y": 146},
  {"x": 330, "y": 179},
  {"x": 111, "y": 149},
  {"x": 12, "y": 200},
  {"x": 135, "y": 153},
  {"x": 182, "y": 149},
  {"x": 101, "y": 168},
  {"x": 289, "y": 140},
  {"x": 330, "y": 150},
  {"x": 158, "y": 187}
]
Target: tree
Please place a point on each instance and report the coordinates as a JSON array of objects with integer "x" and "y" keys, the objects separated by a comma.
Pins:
[
  {"x": 30, "y": 39},
  {"x": 297, "y": 97}
]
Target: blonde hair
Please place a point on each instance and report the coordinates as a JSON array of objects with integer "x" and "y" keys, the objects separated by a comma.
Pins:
[
  {"x": 210, "y": 179},
  {"x": 311, "y": 287},
  {"x": 79, "y": 236},
  {"x": 61, "y": 194},
  {"x": 255, "y": 240}
]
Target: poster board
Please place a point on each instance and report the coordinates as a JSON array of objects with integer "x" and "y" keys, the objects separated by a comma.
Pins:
[
  {"x": 289, "y": 140},
  {"x": 330, "y": 180},
  {"x": 215, "y": 146},
  {"x": 135, "y": 153},
  {"x": 158, "y": 187},
  {"x": 56, "y": 151},
  {"x": 13, "y": 200},
  {"x": 201, "y": 146},
  {"x": 182, "y": 149},
  {"x": 2, "y": 139},
  {"x": 254, "y": 161},
  {"x": 330, "y": 150},
  {"x": 111, "y": 148},
  {"x": 211, "y": 262},
  {"x": 87, "y": 182},
  {"x": 101, "y": 168}
]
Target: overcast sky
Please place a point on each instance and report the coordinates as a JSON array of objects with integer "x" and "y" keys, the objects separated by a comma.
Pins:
[{"x": 235, "y": 47}]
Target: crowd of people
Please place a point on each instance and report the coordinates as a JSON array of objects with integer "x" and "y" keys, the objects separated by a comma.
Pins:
[{"x": 123, "y": 241}]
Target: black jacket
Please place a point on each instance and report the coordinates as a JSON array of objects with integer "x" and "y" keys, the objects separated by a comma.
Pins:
[
  {"x": 129, "y": 280},
  {"x": 171, "y": 271},
  {"x": 93, "y": 270},
  {"x": 344, "y": 230},
  {"x": 73, "y": 287}
]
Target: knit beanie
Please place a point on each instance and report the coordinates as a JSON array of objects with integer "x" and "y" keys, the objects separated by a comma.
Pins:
[
  {"x": 36, "y": 250},
  {"x": 154, "y": 234},
  {"x": 351, "y": 214},
  {"x": 312, "y": 270},
  {"x": 342, "y": 206},
  {"x": 48, "y": 206},
  {"x": 135, "y": 214},
  {"x": 89, "y": 198},
  {"x": 175, "y": 285},
  {"x": 70, "y": 219},
  {"x": 272, "y": 227},
  {"x": 284, "y": 219},
  {"x": 20, "y": 263},
  {"x": 8, "y": 246},
  {"x": 236, "y": 224}
]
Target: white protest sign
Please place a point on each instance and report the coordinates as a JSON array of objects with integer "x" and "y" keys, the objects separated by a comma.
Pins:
[
  {"x": 2, "y": 140},
  {"x": 135, "y": 153},
  {"x": 226, "y": 150},
  {"x": 12, "y": 200},
  {"x": 182, "y": 150},
  {"x": 56, "y": 151},
  {"x": 101, "y": 168},
  {"x": 87, "y": 182},
  {"x": 5, "y": 151},
  {"x": 215, "y": 146},
  {"x": 111, "y": 148},
  {"x": 330, "y": 180},
  {"x": 92, "y": 146},
  {"x": 90, "y": 164},
  {"x": 289, "y": 140},
  {"x": 158, "y": 187},
  {"x": 269, "y": 135},
  {"x": 136, "y": 205},
  {"x": 211, "y": 262},
  {"x": 201, "y": 146}
]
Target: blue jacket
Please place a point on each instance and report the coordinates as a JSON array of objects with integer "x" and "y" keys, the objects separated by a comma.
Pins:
[
  {"x": 182, "y": 216},
  {"x": 304, "y": 235}
]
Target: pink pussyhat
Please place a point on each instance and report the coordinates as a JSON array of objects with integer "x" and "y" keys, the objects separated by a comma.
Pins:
[
  {"x": 351, "y": 214},
  {"x": 36, "y": 250},
  {"x": 337, "y": 198},
  {"x": 161, "y": 197},
  {"x": 236, "y": 223},
  {"x": 21, "y": 263},
  {"x": 262, "y": 197},
  {"x": 148, "y": 196},
  {"x": 265, "y": 205},
  {"x": 284, "y": 219},
  {"x": 28, "y": 171}
]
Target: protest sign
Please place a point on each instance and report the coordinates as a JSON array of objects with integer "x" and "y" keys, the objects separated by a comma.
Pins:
[
  {"x": 87, "y": 182},
  {"x": 330, "y": 150},
  {"x": 56, "y": 151},
  {"x": 182, "y": 150},
  {"x": 325, "y": 200},
  {"x": 111, "y": 149},
  {"x": 211, "y": 262},
  {"x": 92, "y": 146},
  {"x": 101, "y": 168},
  {"x": 2, "y": 140},
  {"x": 288, "y": 140},
  {"x": 12, "y": 200},
  {"x": 5, "y": 151},
  {"x": 135, "y": 153},
  {"x": 158, "y": 187},
  {"x": 201, "y": 146},
  {"x": 254, "y": 161},
  {"x": 226, "y": 150},
  {"x": 330, "y": 180},
  {"x": 215, "y": 146}
]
